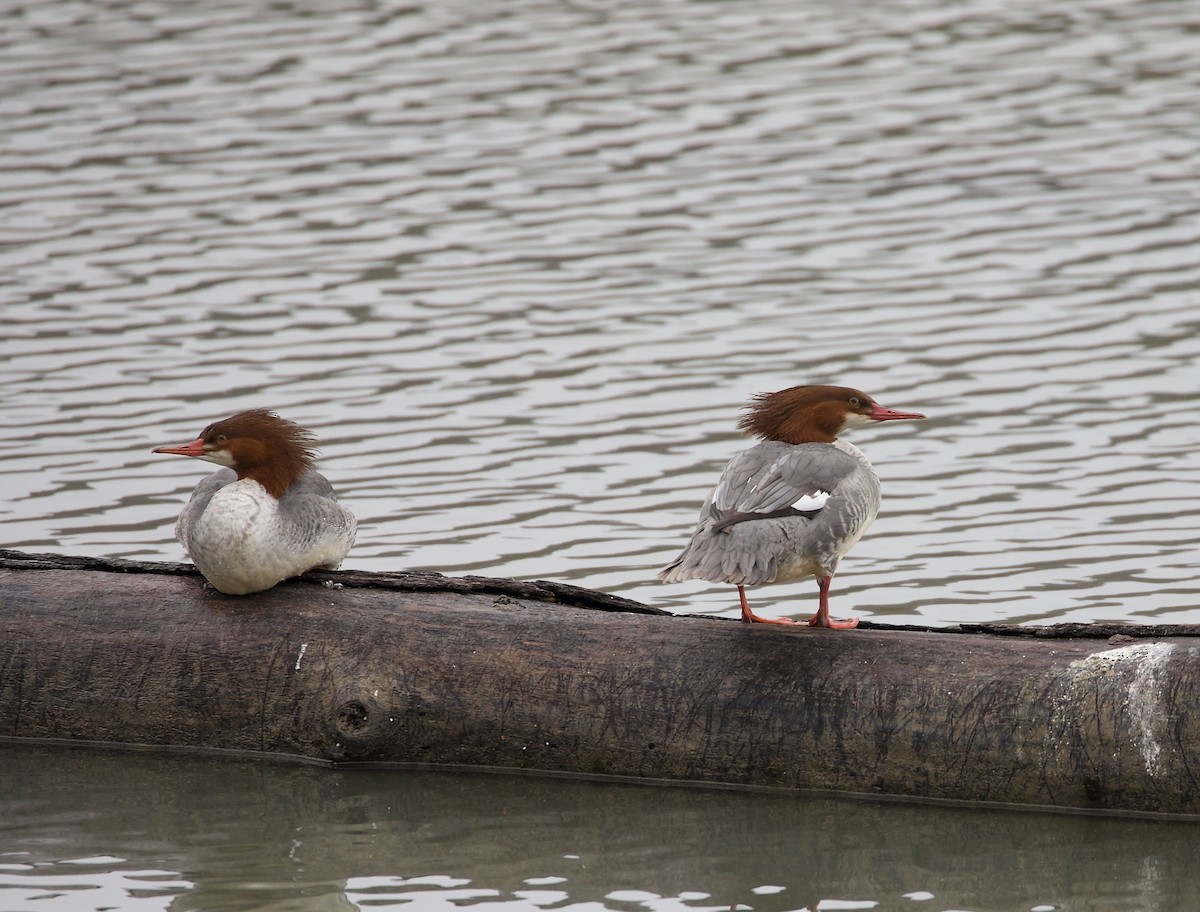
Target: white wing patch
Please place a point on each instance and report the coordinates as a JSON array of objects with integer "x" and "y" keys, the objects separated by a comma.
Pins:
[
  {"x": 814, "y": 501},
  {"x": 718, "y": 493}
]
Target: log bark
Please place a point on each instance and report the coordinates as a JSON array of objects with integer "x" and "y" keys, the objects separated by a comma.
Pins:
[{"x": 413, "y": 668}]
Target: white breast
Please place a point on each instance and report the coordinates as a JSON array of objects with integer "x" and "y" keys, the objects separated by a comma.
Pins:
[{"x": 242, "y": 541}]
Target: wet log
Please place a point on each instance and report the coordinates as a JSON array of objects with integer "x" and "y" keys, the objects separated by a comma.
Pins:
[{"x": 428, "y": 670}]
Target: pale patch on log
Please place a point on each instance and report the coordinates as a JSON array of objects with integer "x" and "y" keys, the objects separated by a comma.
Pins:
[{"x": 1143, "y": 668}]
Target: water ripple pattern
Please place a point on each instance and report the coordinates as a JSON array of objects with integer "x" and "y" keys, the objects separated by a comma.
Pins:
[{"x": 519, "y": 264}]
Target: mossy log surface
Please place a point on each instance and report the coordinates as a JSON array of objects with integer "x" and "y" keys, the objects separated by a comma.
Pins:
[{"x": 419, "y": 668}]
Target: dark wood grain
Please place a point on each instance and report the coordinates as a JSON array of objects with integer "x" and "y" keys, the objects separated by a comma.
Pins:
[{"x": 425, "y": 669}]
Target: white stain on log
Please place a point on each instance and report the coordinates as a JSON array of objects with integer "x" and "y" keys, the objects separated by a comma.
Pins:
[
  {"x": 303, "y": 649},
  {"x": 1144, "y": 666}
]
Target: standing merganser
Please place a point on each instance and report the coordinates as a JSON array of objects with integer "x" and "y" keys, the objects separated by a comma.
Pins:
[
  {"x": 790, "y": 507},
  {"x": 267, "y": 516}
]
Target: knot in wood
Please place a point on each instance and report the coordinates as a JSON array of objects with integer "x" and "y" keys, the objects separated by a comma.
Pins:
[{"x": 351, "y": 716}]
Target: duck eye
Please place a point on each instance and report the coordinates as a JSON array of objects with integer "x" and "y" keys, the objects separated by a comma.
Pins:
[
  {"x": 854, "y": 401},
  {"x": 221, "y": 438}
]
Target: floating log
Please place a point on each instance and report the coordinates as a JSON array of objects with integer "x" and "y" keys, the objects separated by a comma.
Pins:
[{"x": 428, "y": 670}]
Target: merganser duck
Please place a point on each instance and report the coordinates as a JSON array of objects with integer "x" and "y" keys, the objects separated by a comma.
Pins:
[
  {"x": 267, "y": 515},
  {"x": 791, "y": 506}
]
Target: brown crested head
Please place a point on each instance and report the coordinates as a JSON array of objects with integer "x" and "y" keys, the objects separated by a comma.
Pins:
[
  {"x": 813, "y": 414},
  {"x": 256, "y": 444}
]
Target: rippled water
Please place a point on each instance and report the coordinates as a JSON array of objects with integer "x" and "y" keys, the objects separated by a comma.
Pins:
[{"x": 520, "y": 264}]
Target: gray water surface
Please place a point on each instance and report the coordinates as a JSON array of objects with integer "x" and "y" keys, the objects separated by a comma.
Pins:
[
  {"x": 519, "y": 264},
  {"x": 219, "y": 835}
]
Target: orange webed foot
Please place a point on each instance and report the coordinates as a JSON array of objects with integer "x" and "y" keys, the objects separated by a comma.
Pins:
[
  {"x": 822, "y": 618},
  {"x": 752, "y": 618}
]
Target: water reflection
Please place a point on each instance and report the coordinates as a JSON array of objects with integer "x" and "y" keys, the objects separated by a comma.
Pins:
[{"x": 188, "y": 833}]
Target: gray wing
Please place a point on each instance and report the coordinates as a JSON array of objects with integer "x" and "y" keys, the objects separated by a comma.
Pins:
[
  {"x": 309, "y": 483},
  {"x": 778, "y": 479},
  {"x": 317, "y": 525},
  {"x": 201, "y": 495},
  {"x": 773, "y": 480}
]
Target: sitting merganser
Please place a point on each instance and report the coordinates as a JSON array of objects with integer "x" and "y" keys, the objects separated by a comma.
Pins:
[
  {"x": 267, "y": 516},
  {"x": 790, "y": 507}
]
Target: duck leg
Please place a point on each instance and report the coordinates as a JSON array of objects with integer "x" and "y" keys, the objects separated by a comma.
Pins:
[
  {"x": 752, "y": 618},
  {"x": 822, "y": 618}
]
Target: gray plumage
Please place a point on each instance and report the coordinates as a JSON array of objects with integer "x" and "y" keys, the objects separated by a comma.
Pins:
[
  {"x": 243, "y": 540},
  {"x": 769, "y": 520}
]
